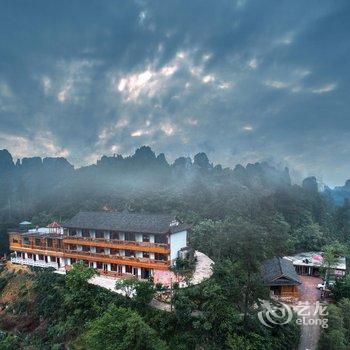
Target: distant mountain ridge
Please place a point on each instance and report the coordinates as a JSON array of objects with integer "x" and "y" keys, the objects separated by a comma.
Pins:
[
  {"x": 340, "y": 194},
  {"x": 35, "y": 181}
]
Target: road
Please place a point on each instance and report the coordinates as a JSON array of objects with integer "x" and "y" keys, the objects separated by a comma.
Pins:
[{"x": 310, "y": 332}]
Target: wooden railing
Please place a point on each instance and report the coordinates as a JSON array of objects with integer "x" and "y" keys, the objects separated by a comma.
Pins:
[
  {"x": 28, "y": 248},
  {"x": 163, "y": 248},
  {"x": 117, "y": 259},
  {"x": 41, "y": 247}
]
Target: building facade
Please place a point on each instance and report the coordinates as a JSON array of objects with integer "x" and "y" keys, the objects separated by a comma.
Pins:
[
  {"x": 116, "y": 244},
  {"x": 311, "y": 263},
  {"x": 281, "y": 278}
]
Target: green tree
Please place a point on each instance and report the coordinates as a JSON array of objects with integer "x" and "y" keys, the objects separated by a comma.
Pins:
[
  {"x": 126, "y": 286},
  {"x": 142, "y": 292},
  {"x": 77, "y": 277},
  {"x": 9, "y": 341},
  {"x": 119, "y": 329},
  {"x": 330, "y": 257},
  {"x": 79, "y": 297},
  {"x": 309, "y": 237},
  {"x": 344, "y": 306},
  {"x": 333, "y": 337},
  {"x": 341, "y": 288}
]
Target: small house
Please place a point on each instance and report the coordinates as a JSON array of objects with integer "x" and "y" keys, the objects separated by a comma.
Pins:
[{"x": 280, "y": 276}]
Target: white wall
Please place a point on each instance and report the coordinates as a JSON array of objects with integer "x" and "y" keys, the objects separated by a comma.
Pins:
[{"x": 177, "y": 241}]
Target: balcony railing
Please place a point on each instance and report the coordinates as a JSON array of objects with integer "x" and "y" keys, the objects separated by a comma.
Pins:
[
  {"x": 36, "y": 263},
  {"x": 35, "y": 247},
  {"x": 117, "y": 257},
  {"x": 117, "y": 242}
]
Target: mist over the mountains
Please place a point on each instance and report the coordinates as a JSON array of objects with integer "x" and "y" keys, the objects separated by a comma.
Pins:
[
  {"x": 34, "y": 182},
  {"x": 142, "y": 180}
]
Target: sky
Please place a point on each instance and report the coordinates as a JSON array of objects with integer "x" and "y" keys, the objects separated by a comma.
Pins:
[{"x": 241, "y": 80}]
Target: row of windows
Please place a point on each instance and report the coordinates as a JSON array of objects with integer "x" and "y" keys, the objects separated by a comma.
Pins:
[
  {"x": 47, "y": 242},
  {"x": 114, "y": 267},
  {"x": 128, "y": 236},
  {"x": 128, "y": 253},
  {"x": 39, "y": 257}
]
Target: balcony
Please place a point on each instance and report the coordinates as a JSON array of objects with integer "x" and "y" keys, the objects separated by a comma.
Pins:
[
  {"x": 117, "y": 244},
  {"x": 32, "y": 248},
  {"x": 31, "y": 262},
  {"x": 118, "y": 259}
]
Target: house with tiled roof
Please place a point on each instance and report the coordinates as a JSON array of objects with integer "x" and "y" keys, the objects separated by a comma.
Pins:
[
  {"x": 115, "y": 243},
  {"x": 280, "y": 276}
]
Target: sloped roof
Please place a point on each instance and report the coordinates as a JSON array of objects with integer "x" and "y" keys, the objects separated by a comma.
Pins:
[
  {"x": 178, "y": 228},
  {"x": 124, "y": 221},
  {"x": 279, "y": 271},
  {"x": 54, "y": 224},
  {"x": 25, "y": 223}
]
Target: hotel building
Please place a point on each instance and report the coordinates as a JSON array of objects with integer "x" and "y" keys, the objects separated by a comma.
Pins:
[{"x": 116, "y": 244}]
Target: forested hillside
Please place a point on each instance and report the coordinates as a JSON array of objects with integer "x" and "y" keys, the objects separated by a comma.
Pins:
[
  {"x": 239, "y": 217},
  {"x": 211, "y": 198}
]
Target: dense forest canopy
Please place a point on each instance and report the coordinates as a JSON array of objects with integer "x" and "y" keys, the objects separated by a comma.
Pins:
[{"x": 211, "y": 198}]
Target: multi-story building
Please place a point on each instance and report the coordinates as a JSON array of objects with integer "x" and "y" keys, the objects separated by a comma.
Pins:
[
  {"x": 116, "y": 244},
  {"x": 41, "y": 247}
]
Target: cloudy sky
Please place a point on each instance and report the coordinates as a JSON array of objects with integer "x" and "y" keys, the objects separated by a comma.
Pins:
[{"x": 240, "y": 80}]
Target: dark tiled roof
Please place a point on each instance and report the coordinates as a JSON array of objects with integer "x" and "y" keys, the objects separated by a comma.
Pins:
[
  {"x": 178, "y": 228},
  {"x": 124, "y": 221},
  {"x": 279, "y": 271}
]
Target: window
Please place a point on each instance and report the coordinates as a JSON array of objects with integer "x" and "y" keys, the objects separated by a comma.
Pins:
[
  {"x": 53, "y": 258},
  {"x": 25, "y": 240},
  {"x": 128, "y": 269},
  {"x": 72, "y": 232},
  {"x": 160, "y": 239},
  {"x": 99, "y": 265},
  {"x": 86, "y": 248},
  {"x": 37, "y": 242},
  {"x": 114, "y": 267},
  {"x": 130, "y": 236},
  {"x": 49, "y": 242},
  {"x": 145, "y": 238},
  {"x": 114, "y": 251},
  {"x": 99, "y": 234},
  {"x": 100, "y": 250},
  {"x": 114, "y": 235},
  {"x": 145, "y": 254},
  {"x": 129, "y": 253},
  {"x": 73, "y": 261},
  {"x": 73, "y": 247},
  {"x": 14, "y": 240},
  {"x": 30, "y": 256},
  {"x": 86, "y": 233},
  {"x": 162, "y": 257},
  {"x": 41, "y": 257}
]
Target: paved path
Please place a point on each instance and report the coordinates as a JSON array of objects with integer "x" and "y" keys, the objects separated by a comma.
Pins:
[
  {"x": 203, "y": 268},
  {"x": 310, "y": 332}
]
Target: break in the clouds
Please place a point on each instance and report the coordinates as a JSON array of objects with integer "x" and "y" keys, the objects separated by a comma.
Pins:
[{"x": 241, "y": 80}]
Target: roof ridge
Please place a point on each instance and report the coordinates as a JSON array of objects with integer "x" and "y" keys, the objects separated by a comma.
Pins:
[{"x": 280, "y": 265}]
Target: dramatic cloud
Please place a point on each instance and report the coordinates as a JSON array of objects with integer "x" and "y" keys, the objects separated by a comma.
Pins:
[{"x": 241, "y": 80}]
